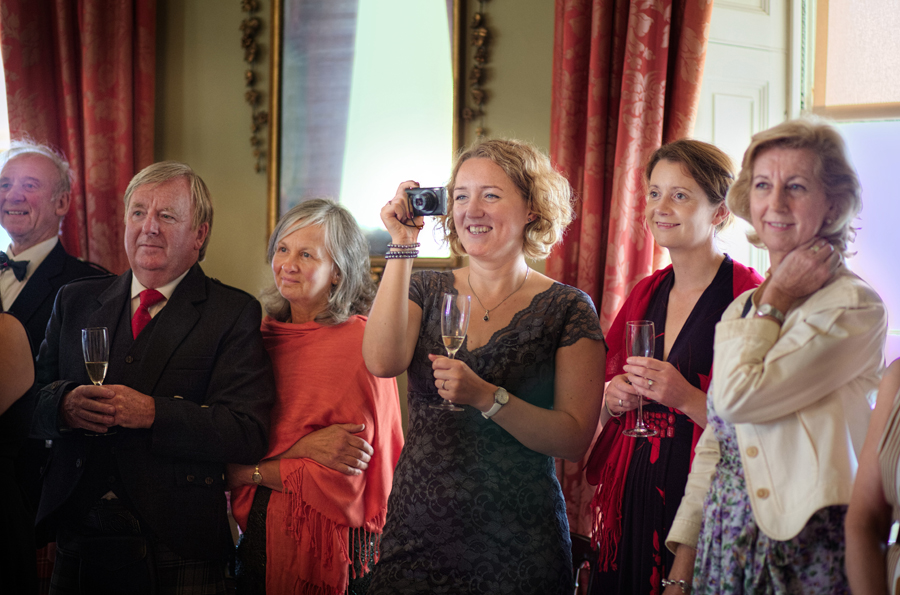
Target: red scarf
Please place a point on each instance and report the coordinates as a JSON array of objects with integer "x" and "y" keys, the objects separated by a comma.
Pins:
[
  {"x": 321, "y": 380},
  {"x": 610, "y": 458}
]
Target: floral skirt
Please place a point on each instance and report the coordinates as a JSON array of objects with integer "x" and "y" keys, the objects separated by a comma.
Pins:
[{"x": 734, "y": 556}]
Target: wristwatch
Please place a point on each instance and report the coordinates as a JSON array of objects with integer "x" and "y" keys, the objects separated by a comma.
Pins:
[
  {"x": 770, "y": 310},
  {"x": 257, "y": 476},
  {"x": 501, "y": 398}
]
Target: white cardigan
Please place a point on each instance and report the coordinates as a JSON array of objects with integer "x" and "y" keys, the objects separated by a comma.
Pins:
[{"x": 799, "y": 397}]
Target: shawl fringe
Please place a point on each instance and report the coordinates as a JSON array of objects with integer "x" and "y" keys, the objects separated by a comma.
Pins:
[
  {"x": 607, "y": 469},
  {"x": 329, "y": 541}
]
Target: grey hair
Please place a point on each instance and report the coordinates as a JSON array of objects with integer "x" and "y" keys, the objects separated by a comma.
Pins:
[
  {"x": 26, "y": 146},
  {"x": 355, "y": 291},
  {"x": 201, "y": 201}
]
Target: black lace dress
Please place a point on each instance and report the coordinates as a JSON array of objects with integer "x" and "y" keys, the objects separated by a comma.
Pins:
[{"x": 472, "y": 510}]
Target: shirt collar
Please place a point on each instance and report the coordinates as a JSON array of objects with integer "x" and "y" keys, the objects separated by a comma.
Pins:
[
  {"x": 167, "y": 290},
  {"x": 34, "y": 255}
]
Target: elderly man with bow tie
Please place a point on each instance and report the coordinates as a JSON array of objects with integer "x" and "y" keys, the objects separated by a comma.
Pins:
[
  {"x": 35, "y": 186},
  {"x": 135, "y": 488}
]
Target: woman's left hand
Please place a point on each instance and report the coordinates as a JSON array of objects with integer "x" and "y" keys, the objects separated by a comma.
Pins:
[
  {"x": 803, "y": 271},
  {"x": 661, "y": 382},
  {"x": 457, "y": 383}
]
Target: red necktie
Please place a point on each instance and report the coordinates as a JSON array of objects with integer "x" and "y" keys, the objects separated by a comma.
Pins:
[{"x": 141, "y": 317}]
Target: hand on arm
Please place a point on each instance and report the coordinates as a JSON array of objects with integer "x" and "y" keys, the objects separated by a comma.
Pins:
[
  {"x": 868, "y": 518},
  {"x": 659, "y": 381},
  {"x": 89, "y": 408},
  {"x": 336, "y": 447},
  {"x": 393, "y": 326}
]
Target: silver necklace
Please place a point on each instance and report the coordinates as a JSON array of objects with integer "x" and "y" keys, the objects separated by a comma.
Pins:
[{"x": 487, "y": 312}]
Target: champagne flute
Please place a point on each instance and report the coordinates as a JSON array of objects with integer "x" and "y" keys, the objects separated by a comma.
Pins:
[
  {"x": 640, "y": 338},
  {"x": 95, "y": 346},
  {"x": 454, "y": 324}
]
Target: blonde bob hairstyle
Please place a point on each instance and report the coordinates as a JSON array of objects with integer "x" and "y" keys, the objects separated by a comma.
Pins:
[
  {"x": 832, "y": 168},
  {"x": 346, "y": 245},
  {"x": 546, "y": 192},
  {"x": 201, "y": 202}
]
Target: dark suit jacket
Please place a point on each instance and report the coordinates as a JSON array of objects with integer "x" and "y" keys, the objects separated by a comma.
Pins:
[
  {"x": 35, "y": 302},
  {"x": 205, "y": 365},
  {"x": 32, "y": 307}
]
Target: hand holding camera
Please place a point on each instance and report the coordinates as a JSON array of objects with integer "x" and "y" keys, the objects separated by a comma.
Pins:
[
  {"x": 402, "y": 214},
  {"x": 426, "y": 202}
]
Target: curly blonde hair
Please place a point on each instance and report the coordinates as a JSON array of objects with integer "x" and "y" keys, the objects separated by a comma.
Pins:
[
  {"x": 832, "y": 168},
  {"x": 546, "y": 192}
]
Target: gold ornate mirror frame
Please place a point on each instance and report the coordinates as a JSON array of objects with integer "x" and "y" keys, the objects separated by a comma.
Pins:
[{"x": 277, "y": 109}]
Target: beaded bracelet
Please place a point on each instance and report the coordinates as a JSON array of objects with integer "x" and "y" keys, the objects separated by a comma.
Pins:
[
  {"x": 404, "y": 246},
  {"x": 684, "y": 585},
  {"x": 401, "y": 254}
]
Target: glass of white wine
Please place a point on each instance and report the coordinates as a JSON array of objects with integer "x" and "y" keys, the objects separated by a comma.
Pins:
[
  {"x": 454, "y": 324},
  {"x": 95, "y": 346}
]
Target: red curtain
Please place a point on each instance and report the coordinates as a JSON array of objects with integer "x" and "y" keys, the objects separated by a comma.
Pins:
[
  {"x": 80, "y": 77},
  {"x": 626, "y": 78}
]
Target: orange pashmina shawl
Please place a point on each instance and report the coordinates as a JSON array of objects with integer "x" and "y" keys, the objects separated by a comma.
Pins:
[{"x": 322, "y": 380}]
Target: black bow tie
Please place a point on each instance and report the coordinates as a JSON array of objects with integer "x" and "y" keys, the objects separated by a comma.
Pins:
[{"x": 18, "y": 266}]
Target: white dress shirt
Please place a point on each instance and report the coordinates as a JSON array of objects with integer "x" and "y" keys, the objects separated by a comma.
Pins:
[
  {"x": 10, "y": 287},
  {"x": 167, "y": 290}
]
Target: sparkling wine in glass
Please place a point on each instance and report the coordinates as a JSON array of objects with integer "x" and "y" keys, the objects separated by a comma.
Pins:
[
  {"x": 640, "y": 337},
  {"x": 454, "y": 324},
  {"x": 95, "y": 346}
]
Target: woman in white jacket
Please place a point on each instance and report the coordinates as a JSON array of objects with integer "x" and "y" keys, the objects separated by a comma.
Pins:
[{"x": 794, "y": 363}]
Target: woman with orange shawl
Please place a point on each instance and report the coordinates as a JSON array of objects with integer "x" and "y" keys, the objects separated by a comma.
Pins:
[
  {"x": 640, "y": 481},
  {"x": 313, "y": 509}
]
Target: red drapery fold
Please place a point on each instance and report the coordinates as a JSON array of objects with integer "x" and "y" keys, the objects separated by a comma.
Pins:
[
  {"x": 626, "y": 78},
  {"x": 80, "y": 76}
]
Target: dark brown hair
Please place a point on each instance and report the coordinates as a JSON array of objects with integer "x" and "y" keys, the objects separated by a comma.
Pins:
[{"x": 707, "y": 164}]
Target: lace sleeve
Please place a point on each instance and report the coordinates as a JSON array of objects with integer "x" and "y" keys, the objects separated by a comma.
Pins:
[
  {"x": 425, "y": 285},
  {"x": 417, "y": 289},
  {"x": 581, "y": 319}
]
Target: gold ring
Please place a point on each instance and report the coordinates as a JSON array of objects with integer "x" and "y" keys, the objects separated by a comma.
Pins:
[
  {"x": 649, "y": 383},
  {"x": 444, "y": 385},
  {"x": 816, "y": 248},
  {"x": 621, "y": 404}
]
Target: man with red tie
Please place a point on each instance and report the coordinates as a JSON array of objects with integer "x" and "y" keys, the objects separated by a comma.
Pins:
[{"x": 135, "y": 485}]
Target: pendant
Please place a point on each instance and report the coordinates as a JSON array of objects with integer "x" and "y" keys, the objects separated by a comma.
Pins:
[{"x": 487, "y": 315}]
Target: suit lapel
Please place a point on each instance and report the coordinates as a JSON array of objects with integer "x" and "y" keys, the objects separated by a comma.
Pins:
[
  {"x": 174, "y": 322},
  {"x": 38, "y": 286},
  {"x": 112, "y": 301}
]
